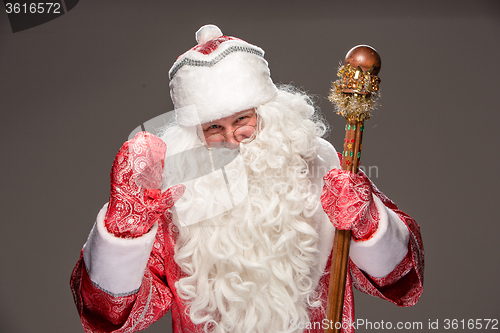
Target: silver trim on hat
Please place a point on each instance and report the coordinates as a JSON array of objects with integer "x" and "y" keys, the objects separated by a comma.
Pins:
[{"x": 204, "y": 63}]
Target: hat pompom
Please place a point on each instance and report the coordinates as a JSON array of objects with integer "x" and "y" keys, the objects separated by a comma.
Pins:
[{"x": 207, "y": 32}]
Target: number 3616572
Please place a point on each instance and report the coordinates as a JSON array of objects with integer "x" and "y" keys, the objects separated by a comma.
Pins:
[{"x": 33, "y": 8}]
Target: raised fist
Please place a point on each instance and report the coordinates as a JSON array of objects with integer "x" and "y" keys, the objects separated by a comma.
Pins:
[
  {"x": 136, "y": 201},
  {"x": 347, "y": 199}
]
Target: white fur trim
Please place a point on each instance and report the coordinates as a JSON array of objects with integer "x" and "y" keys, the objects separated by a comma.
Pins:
[
  {"x": 233, "y": 78},
  {"x": 115, "y": 264},
  {"x": 326, "y": 160},
  {"x": 380, "y": 254},
  {"x": 327, "y": 154}
]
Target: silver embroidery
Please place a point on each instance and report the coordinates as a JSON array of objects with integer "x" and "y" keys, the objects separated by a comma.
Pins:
[
  {"x": 113, "y": 294},
  {"x": 203, "y": 63},
  {"x": 145, "y": 308}
]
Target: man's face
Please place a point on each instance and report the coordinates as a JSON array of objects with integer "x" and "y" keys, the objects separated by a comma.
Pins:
[{"x": 230, "y": 131}]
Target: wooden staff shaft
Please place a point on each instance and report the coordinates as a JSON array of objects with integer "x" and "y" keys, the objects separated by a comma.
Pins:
[{"x": 342, "y": 238}]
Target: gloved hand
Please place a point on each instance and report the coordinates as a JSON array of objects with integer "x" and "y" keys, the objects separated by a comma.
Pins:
[
  {"x": 347, "y": 199},
  {"x": 136, "y": 201}
]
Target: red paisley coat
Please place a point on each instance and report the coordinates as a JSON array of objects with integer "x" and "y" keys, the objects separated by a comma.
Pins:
[{"x": 101, "y": 311}]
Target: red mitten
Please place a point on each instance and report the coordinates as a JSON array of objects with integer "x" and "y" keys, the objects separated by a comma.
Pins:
[
  {"x": 136, "y": 201},
  {"x": 348, "y": 201}
]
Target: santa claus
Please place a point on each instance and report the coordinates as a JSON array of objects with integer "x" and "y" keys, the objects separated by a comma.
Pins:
[{"x": 232, "y": 226}]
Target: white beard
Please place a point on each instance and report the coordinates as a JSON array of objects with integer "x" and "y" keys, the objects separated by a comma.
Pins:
[{"x": 249, "y": 260}]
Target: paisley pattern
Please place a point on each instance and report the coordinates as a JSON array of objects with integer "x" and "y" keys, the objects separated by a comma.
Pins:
[
  {"x": 136, "y": 201},
  {"x": 213, "y": 44},
  {"x": 348, "y": 201},
  {"x": 102, "y": 312}
]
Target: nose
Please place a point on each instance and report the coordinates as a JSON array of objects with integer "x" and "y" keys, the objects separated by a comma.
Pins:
[{"x": 231, "y": 142}]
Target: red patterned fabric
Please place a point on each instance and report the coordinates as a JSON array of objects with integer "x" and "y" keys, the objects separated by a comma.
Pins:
[
  {"x": 102, "y": 312},
  {"x": 212, "y": 44},
  {"x": 136, "y": 201},
  {"x": 348, "y": 201}
]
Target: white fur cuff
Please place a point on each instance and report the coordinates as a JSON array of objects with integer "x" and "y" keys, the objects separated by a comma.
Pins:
[
  {"x": 115, "y": 264},
  {"x": 380, "y": 254}
]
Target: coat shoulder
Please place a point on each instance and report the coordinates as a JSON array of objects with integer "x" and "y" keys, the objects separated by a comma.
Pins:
[{"x": 327, "y": 155}]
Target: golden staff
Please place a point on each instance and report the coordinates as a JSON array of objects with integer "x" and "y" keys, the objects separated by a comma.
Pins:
[{"x": 354, "y": 95}]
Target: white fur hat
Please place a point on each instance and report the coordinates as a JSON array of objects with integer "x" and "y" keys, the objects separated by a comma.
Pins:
[{"x": 219, "y": 77}]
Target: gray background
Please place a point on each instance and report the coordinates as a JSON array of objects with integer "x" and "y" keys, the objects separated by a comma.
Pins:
[{"x": 71, "y": 91}]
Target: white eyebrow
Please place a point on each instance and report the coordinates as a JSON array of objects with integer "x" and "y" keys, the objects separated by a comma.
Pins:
[{"x": 244, "y": 114}]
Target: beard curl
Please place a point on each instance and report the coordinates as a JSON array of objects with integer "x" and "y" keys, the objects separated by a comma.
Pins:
[
  {"x": 288, "y": 125},
  {"x": 249, "y": 269}
]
